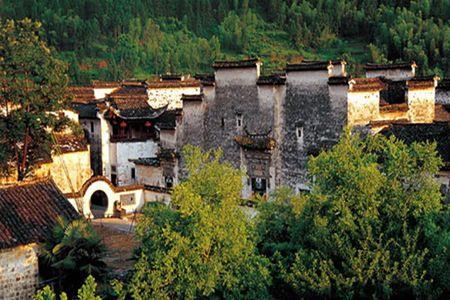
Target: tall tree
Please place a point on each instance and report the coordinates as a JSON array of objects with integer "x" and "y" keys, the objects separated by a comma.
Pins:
[
  {"x": 366, "y": 228},
  {"x": 203, "y": 245},
  {"x": 32, "y": 92}
]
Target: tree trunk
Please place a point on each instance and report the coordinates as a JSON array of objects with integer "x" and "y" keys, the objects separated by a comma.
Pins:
[{"x": 23, "y": 164}]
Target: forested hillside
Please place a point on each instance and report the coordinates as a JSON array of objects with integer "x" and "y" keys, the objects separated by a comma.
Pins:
[{"x": 112, "y": 39}]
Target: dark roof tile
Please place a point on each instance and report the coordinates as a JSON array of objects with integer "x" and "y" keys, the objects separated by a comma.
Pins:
[{"x": 29, "y": 212}]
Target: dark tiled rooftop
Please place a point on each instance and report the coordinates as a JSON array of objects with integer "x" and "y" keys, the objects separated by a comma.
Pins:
[
  {"x": 402, "y": 65},
  {"x": 246, "y": 63},
  {"x": 309, "y": 66},
  {"x": 29, "y": 212},
  {"x": 275, "y": 79}
]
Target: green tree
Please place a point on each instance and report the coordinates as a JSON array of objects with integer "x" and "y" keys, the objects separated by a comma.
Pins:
[
  {"x": 32, "y": 90},
  {"x": 363, "y": 230},
  {"x": 202, "y": 246},
  {"x": 86, "y": 292},
  {"x": 73, "y": 253}
]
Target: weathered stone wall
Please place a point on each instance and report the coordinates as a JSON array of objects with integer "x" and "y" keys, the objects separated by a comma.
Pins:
[
  {"x": 192, "y": 124},
  {"x": 394, "y": 74},
  {"x": 442, "y": 96},
  {"x": 131, "y": 150},
  {"x": 308, "y": 106},
  {"x": 421, "y": 105},
  {"x": 18, "y": 272},
  {"x": 363, "y": 107},
  {"x": 150, "y": 175}
]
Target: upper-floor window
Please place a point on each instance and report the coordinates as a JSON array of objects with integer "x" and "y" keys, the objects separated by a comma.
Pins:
[
  {"x": 299, "y": 135},
  {"x": 239, "y": 120},
  {"x": 92, "y": 127},
  {"x": 133, "y": 173},
  {"x": 222, "y": 124}
]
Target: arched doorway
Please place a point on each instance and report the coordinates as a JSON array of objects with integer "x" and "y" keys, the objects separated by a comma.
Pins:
[{"x": 99, "y": 204}]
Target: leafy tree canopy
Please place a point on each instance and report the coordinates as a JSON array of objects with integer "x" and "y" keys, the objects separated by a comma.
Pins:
[
  {"x": 202, "y": 245},
  {"x": 369, "y": 227},
  {"x": 32, "y": 90}
]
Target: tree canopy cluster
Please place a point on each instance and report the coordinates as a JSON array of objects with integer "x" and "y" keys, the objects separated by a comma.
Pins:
[
  {"x": 109, "y": 39},
  {"x": 372, "y": 226}
]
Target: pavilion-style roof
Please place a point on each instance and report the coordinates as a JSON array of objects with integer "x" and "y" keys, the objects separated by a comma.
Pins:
[
  {"x": 29, "y": 212},
  {"x": 133, "y": 108}
]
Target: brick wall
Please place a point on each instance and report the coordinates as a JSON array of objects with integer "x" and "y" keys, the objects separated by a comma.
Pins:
[{"x": 18, "y": 272}]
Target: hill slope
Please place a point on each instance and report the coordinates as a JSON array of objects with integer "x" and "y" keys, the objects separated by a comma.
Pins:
[{"x": 113, "y": 39}]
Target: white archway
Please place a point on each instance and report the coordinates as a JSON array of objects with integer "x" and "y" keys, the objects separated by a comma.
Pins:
[
  {"x": 133, "y": 196},
  {"x": 105, "y": 187}
]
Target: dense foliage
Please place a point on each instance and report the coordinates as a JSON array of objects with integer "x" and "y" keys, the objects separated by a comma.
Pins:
[
  {"x": 32, "y": 84},
  {"x": 202, "y": 246},
  {"x": 372, "y": 226},
  {"x": 113, "y": 39},
  {"x": 73, "y": 253},
  {"x": 86, "y": 292}
]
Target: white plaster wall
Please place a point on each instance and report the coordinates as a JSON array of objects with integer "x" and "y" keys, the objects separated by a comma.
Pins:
[
  {"x": 18, "y": 272},
  {"x": 421, "y": 105},
  {"x": 362, "y": 107},
  {"x": 151, "y": 196},
  {"x": 138, "y": 198},
  {"x": 168, "y": 138},
  {"x": 308, "y": 77},
  {"x": 132, "y": 150},
  {"x": 100, "y": 93},
  {"x": 72, "y": 115},
  {"x": 86, "y": 123},
  {"x": 338, "y": 70},
  {"x": 150, "y": 175},
  {"x": 237, "y": 76},
  {"x": 112, "y": 196},
  {"x": 78, "y": 166},
  {"x": 108, "y": 149},
  {"x": 338, "y": 96},
  {"x": 159, "y": 97},
  {"x": 395, "y": 74}
]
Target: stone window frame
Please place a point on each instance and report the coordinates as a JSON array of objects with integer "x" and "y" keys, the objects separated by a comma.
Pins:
[{"x": 239, "y": 120}]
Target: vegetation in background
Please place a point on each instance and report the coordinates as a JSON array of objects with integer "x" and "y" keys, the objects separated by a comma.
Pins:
[
  {"x": 372, "y": 226},
  {"x": 73, "y": 253},
  {"x": 32, "y": 84},
  {"x": 115, "y": 39},
  {"x": 203, "y": 246}
]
